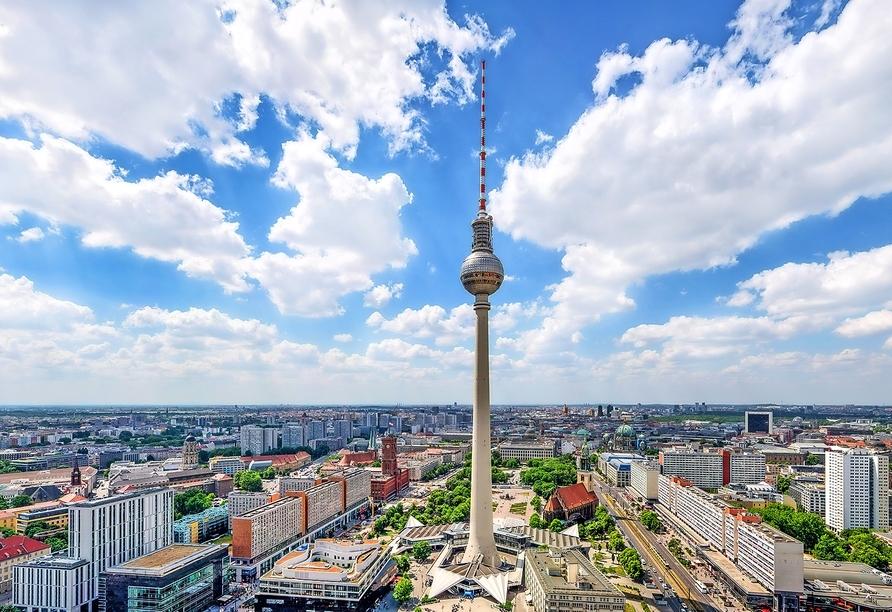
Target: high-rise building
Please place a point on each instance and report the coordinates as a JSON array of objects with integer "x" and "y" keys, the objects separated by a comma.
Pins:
[
  {"x": 856, "y": 488},
  {"x": 294, "y": 435},
  {"x": 102, "y": 533},
  {"x": 315, "y": 430},
  {"x": 343, "y": 428},
  {"x": 258, "y": 440},
  {"x": 371, "y": 419},
  {"x": 758, "y": 422}
]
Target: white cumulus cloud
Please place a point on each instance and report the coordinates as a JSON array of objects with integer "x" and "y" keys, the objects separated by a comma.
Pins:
[{"x": 713, "y": 148}]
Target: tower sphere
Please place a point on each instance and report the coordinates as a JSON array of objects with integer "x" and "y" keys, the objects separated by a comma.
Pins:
[{"x": 482, "y": 273}]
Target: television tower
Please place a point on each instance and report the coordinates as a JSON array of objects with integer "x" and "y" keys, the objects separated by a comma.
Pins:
[{"x": 482, "y": 275}]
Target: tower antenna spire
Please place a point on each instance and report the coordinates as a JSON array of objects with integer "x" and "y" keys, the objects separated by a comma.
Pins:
[{"x": 483, "y": 135}]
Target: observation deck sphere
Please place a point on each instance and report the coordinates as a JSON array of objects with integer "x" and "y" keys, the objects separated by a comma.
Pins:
[{"x": 482, "y": 273}]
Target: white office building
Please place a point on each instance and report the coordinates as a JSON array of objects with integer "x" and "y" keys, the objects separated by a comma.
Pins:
[
  {"x": 857, "y": 489},
  {"x": 102, "y": 533}
]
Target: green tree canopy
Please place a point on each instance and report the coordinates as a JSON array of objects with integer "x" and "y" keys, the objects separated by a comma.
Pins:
[
  {"x": 402, "y": 563},
  {"x": 421, "y": 551},
  {"x": 556, "y": 525},
  {"x": 783, "y": 483},
  {"x": 651, "y": 520},
  {"x": 631, "y": 563},
  {"x": 813, "y": 460},
  {"x": 250, "y": 481},
  {"x": 615, "y": 541},
  {"x": 548, "y": 474},
  {"x": 402, "y": 592},
  {"x": 191, "y": 502},
  {"x": 20, "y": 501},
  {"x": 536, "y": 522}
]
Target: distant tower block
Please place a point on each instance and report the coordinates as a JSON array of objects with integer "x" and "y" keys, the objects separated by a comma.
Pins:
[
  {"x": 190, "y": 453},
  {"x": 482, "y": 275}
]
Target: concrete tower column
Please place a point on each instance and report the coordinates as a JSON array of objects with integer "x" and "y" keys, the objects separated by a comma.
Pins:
[{"x": 481, "y": 539}]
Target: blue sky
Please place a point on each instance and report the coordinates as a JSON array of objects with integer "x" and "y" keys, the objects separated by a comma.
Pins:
[{"x": 257, "y": 202}]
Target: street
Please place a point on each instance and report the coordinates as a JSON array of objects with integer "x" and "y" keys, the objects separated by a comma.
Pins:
[{"x": 661, "y": 562}]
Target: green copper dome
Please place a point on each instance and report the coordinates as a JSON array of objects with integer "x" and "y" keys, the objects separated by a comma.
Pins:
[{"x": 625, "y": 431}]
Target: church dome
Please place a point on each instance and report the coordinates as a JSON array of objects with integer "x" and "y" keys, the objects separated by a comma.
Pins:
[
  {"x": 625, "y": 431},
  {"x": 190, "y": 438},
  {"x": 583, "y": 432}
]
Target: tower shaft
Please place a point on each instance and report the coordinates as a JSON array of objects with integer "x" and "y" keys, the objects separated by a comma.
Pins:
[{"x": 481, "y": 540}]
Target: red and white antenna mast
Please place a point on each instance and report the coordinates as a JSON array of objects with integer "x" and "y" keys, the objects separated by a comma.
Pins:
[{"x": 483, "y": 136}]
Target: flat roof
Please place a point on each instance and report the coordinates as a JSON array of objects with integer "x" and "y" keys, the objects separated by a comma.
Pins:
[{"x": 169, "y": 555}]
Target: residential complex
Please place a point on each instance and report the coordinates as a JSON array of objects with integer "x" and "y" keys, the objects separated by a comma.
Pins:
[
  {"x": 857, "y": 489},
  {"x": 770, "y": 557}
]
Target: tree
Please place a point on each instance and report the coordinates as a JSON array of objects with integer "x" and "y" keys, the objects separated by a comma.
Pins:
[
  {"x": 402, "y": 563},
  {"x": 421, "y": 551},
  {"x": 556, "y": 525},
  {"x": 125, "y": 436},
  {"x": 783, "y": 483},
  {"x": 57, "y": 543},
  {"x": 37, "y": 527},
  {"x": 813, "y": 460},
  {"x": 380, "y": 525},
  {"x": 536, "y": 522},
  {"x": 251, "y": 481},
  {"x": 7, "y": 531},
  {"x": 402, "y": 592},
  {"x": 511, "y": 464},
  {"x": 631, "y": 563},
  {"x": 830, "y": 548},
  {"x": 496, "y": 457},
  {"x": 191, "y": 502},
  {"x": 615, "y": 541},
  {"x": 3, "y": 503},
  {"x": 536, "y": 503},
  {"x": 268, "y": 474},
  {"x": 20, "y": 501},
  {"x": 9, "y": 608},
  {"x": 651, "y": 520}
]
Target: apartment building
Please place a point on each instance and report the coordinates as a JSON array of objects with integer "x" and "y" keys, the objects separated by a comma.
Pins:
[
  {"x": 294, "y": 435},
  {"x": 704, "y": 470},
  {"x": 747, "y": 468},
  {"x": 257, "y": 440},
  {"x": 769, "y": 556},
  {"x": 102, "y": 533},
  {"x": 810, "y": 496},
  {"x": 261, "y": 534},
  {"x": 240, "y": 502},
  {"x": 644, "y": 478},
  {"x": 15, "y": 550},
  {"x": 857, "y": 489}
]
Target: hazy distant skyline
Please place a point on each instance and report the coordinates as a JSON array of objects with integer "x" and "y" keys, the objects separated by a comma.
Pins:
[{"x": 257, "y": 202}]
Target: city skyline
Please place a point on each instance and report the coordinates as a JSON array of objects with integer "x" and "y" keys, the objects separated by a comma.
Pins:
[{"x": 241, "y": 202}]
